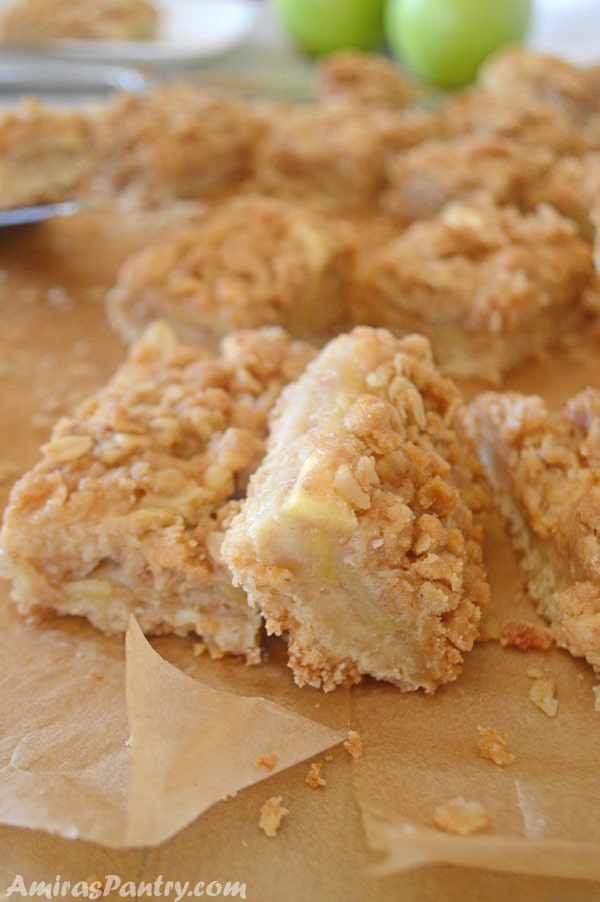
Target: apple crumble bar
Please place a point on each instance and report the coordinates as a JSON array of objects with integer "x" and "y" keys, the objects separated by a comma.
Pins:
[
  {"x": 423, "y": 179},
  {"x": 255, "y": 261},
  {"x": 46, "y": 153},
  {"x": 31, "y": 22},
  {"x": 487, "y": 285},
  {"x": 176, "y": 141},
  {"x": 355, "y": 536},
  {"x": 544, "y": 468},
  {"x": 366, "y": 78},
  {"x": 333, "y": 154},
  {"x": 534, "y": 98},
  {"x": 125, "y": 512}
]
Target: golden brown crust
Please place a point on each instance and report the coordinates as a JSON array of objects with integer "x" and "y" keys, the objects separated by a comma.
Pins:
[
  {"x": 254, "y": 261},
  {"x": 126, "y": 511}
]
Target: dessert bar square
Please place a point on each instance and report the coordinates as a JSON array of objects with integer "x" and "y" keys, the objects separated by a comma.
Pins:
[
  {"x": 357, "y": 536},
  {"x": 125, "y": 512},
  {"x": 489, "y": 286},
  {"x": 544, "y": 467},
  {"x": 254, "y": 261}
]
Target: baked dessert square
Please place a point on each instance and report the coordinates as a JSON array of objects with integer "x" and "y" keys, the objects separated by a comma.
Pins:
[
  {"x": 254, "y": 261},
  {"x": 125, "y": 512},
  {"x": 534, "y": 99},
  {"x": 544, "y": 468},
  {"x": 489, "y": 286},
  {"x": 357, "y": 536},
  {"x": 46, "y": 153},
  {"x": 34, "y": 22},
  {"x": 366, "y": 78},
  {"x": 332, "y": 154},
  {"x": 176, "y": 141},
  {"x": 423, "y": 179}
]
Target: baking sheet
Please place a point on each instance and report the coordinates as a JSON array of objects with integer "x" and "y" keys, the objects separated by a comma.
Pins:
[{"x": 418, "y": 751}]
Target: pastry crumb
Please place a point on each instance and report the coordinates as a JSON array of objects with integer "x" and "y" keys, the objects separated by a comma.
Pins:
[
  {"x": 268, "y": 761},
  {"x": 492, "y": 744},
  {"x": 460, "y": 816},
  {"x": 525, "y": 635},
  {"x": 199, "y": 648},
  {"x": 271, "y": 815},
  {"x": 353, "y": 744},
  {"x": 328, "y": 758},
  {"x": 314, "y": 777},
  {"x": 542, "y": 695},
  {"x": 535, "y": 673}
]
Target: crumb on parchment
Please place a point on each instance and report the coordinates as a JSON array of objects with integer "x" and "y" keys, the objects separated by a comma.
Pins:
[
  {"x": 353, "y": 744},
  {"x": 542, "y": 694},
  {"x": 492, "y": 744},
  {"x": 314, "y": 777},
  {"x": 268, "y": 761},
  {"x": 526, "y": 635},
  {"x": 271, "y": 815},
  {"x": 460, "y": 816}
]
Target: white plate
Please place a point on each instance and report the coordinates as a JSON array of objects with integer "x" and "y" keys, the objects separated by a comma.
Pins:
[
  {"x": 190, "y": 29},
  {"x": 567, "y": 28}
]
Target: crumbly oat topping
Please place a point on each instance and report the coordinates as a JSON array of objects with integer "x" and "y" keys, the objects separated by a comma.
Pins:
[
  {"x": 365, "y": 78},
  {"x": 488, "y": 285},
  {"x": 364, "y": 447},
  {"x": 127, "y": 510},
  {"x": 460, "y": 816},
  {"x": 291, "y": 269},
  {"x": 272, "y": 814},
  {"x": 177, "y": 141}
]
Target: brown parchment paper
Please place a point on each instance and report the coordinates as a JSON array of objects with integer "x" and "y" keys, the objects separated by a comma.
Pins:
[
  {"x": 193, "y": 745},
  {"x": 66, "y": 761}
]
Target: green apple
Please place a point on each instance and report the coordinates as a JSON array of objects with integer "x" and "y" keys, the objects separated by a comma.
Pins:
[
  {"x": 323, "y": 26},
  {"x": 446, "y": 41}
]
